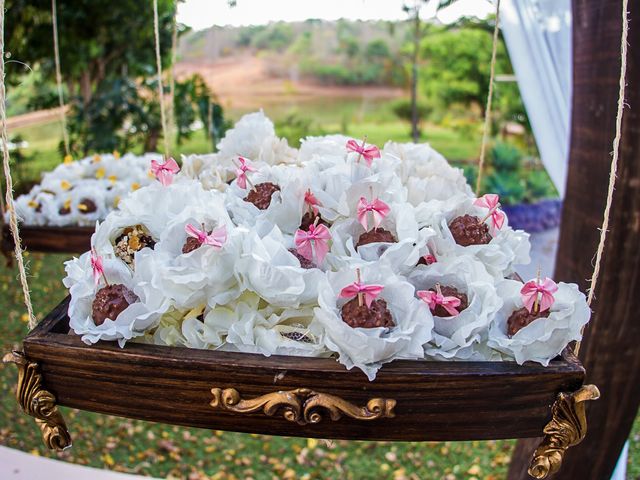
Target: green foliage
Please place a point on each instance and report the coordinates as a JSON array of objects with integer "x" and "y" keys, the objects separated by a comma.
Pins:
[
  {"x": 295, "y": 127},
  {"x": 402, "y": 109},
  {"x": 506, "y": 157},
  {"x": 377, "y": 49},
  {"x": 539, "y": 186},
  {"x": 276, "y": 37},
  {"x": 509, "y": 185}
]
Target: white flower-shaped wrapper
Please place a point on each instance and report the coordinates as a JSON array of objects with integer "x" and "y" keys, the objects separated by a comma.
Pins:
[
  {"x": 133, "y": 321},
  {"x": 269, "y": 269},
  {"x": 79, "y": 197},
  {"x": 368, "y": 348},
  {"x": 544, "y": 338},
  {"x": 205, "y": 275},
  {"x": 458, "y": 337},
  {"x": 506, "y": 249}
]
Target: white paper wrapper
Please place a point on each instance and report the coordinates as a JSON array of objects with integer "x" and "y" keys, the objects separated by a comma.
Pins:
[
  {"x": 544, "y": 338},
  {"x": 460, "y": 337},
  {"x": 368, "y": 348},
  {"x": 270, "y": 270},
  {"x": 132, "y": 322}
]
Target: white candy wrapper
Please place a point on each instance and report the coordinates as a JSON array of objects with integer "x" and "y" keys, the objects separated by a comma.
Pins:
[
  {"x": 368, "y": 348},
  {"x": 274, "y": 273},
  {"x": 506, "y": 249},
  {"x": 459, "y": 337},
  {"x": 132, "y": 322},
  {"x": 205, "y": 275},
  {"x": 544, "y": 338}
]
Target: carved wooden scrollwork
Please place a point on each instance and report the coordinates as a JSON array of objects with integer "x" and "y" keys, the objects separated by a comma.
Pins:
[
  {"x": 38, "y": 402},
  {"x": 568, "y": 426},
  {"x": 302, "y": 405}
]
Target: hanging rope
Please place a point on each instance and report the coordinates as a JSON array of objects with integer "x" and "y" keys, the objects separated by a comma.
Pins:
[
  {"x": 487, "y": 112},
  {"x": 56, "y": 54},
  {"x": 13, "y": 220},
  {"x": 163, "y": 118},
  {"x": 614, "y": 159},
  {"x": 172, "y": 75}
]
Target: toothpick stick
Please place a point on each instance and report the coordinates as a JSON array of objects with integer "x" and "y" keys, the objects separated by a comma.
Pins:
[
  {"x": 438, "y": 290},
  {"x": 360, "y": 295},
  {"x": 364, "y": 142},
  {"x": 491, "y": 212},
  {"x": 535, "y": 302}
]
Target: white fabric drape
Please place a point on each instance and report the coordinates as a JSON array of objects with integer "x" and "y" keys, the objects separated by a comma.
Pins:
[{"x": 538, "y": 38}]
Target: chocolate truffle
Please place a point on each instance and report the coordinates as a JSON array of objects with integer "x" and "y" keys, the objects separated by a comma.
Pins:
[
  {"x": 451, "y": 292},
  {"x": 132, "y": 240},
  {"x": 64, "y": 210},
  {"x": 297, "y": 337},
  {"x": 468, "y": 230},
  {"x": 376, "y": 235},
  {"x": 260, "y": 196},
  {"x": 378, "y": 315},
  {"x": 110, "y": 302},
  {"x": 521, "y": 318},
  {"x": 87, "y": 205},
  {"x": 309, "y": 218},
  {"x": 190, "y": 245},
  {"x": 304, "y": 262}
]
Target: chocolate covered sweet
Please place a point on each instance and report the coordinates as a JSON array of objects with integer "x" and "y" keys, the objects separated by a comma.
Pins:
[
  {"x": 64, "y": 210},
  {"x": 469, "y": 230},
  {"x": 110, "y": 302},
  {"x": 191, "y": 244},
  {"x": 304, "y": 262},
  {"x": 376, "y": 235},
  {"x": 361, "y": 316},
  {"x": 447, "y": 291},
  {"x": 309, "y": 218},
  {"x": 521, "y": 318},
  {"x": 261, "y": 194},
  {"x": 132, "y": 240},
  {"x": 86, "y": 205},
  {"x": 297, "y": 336}
]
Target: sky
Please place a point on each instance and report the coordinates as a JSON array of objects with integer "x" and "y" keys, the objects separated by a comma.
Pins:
[{"x": 200, "y": 14}]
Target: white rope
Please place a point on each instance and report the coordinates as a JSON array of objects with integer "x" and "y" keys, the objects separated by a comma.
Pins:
[
  {"x": 56, "y": 54},
  {"x": 163, "y": 118},
  {"x": 13, "y": 220},
  {"x": 487, "y": 112},
  {"x": 172, "y": 75},
  {"x": 614, "y": 158}
]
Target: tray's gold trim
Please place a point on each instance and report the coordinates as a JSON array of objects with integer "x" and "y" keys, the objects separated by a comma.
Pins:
[
  {"x": 568, "y": 426},
  {"x": 302, "y": 405},
  {"x": 38, "y": 402}
]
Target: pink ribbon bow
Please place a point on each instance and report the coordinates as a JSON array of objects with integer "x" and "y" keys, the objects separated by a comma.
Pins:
[
  {"x": 433, "y": 299},
  {"x": 492, "y": 202},
  {"x": 532, "y": 288},
  {"x": 378, "y": 209},
  {"x": 316, "y": 239},
  {"x": 96, "y": 266},
  {"x": 216, "y": 238},
  {"x": 368, "y": 153},
  {"x": 241, "y": 172},
  {"x": 370, "y": 292},
  {"x": 429, "y": 259},
  {"x": 164, "y": 172},
  {"x": 311, "y": 200}
]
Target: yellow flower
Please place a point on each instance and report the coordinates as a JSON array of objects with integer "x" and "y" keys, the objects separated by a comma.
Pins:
[
  {"x": 68, "y": 160},
  {"x": 65, "y": 185},
  {"x": 97, "y": 158},
  {"x": 116, "y": 154},
  {"x": 135, "y": 186},
  {"x": 112, "y": 179},
  {"x": 100, "y": 173}
]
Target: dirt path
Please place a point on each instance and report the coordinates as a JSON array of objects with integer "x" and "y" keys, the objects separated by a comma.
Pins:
[{"x": 32, "y": 118}]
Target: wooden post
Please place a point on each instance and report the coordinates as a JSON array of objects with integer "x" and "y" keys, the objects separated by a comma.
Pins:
[{"x": 611, "y": 348}]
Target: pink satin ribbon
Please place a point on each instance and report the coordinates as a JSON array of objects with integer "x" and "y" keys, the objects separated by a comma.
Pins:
[
  {"x": 433, "y": 299},
  {"x": 96, "y": 266},
  {"x": 311, "y": 200},
  {"x": 241, "y": 172},
  {"x": 164, "y": 172},
  {"x": 429, "y": 258},
  {"x": 378, "y": 209},
  {"x": 545, "y": 289},
  {"x": 367, "y": 152},
  {"x": 370, "y": 292},
  {"x": 216, "y": 238},
  {"x": 316, "y": 239},
  {"x": 492, "y": 202}
]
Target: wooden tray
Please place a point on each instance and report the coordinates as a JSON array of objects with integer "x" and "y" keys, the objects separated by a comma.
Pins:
[
  {"x": 409, "y": 400},
  {"x": 50, "y": 239}
]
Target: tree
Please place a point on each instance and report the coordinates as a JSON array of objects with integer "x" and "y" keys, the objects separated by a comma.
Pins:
[
  {"x": 413, "y": 11},
  {"x": 99, "y": 40}
]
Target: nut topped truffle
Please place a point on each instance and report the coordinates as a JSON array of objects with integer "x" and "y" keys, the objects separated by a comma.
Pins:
[
  {"x": 361, "y": 316},
  {"x": 376, "y": 235},
  {"x": 469, "y": 230},
  {"x": 521, "y": 318},
  {"x": 111, "y": 301},
  {"x": 304, "y": 262},
  {"x": 447, "y": 291},
  {"x": 131, "y": 240}
]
